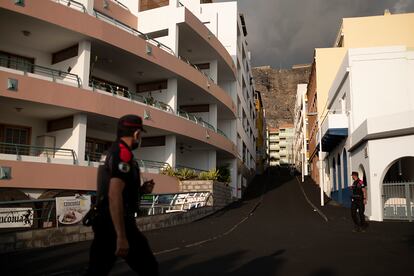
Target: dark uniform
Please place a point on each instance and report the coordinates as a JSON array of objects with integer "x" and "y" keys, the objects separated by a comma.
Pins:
[
  {"x": 119, "y": 163},
  {"x": 358, "y": 206}
]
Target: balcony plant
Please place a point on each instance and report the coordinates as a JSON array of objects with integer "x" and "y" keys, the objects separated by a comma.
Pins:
[{"x": 210, "y": 175}]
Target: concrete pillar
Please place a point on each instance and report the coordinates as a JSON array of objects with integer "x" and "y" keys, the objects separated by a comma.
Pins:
[
  {"x": 79, "y": 135},
  {"x": 82, "y": 66},
  {"x": 212, "y": 116},
  {"x": 171, "y": 150},
  {"x": 88, "y": 5},
  {"x": 234, "y": 176},
  {"x": 172, "y": 92},
  {"x": 214, "y": 70},
  {"x": 173, "y": 37},
  {"x": 212, "y": 160}
]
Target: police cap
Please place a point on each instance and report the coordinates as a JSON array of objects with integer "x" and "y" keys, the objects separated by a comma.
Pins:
[{"x": 128, "y": 124}]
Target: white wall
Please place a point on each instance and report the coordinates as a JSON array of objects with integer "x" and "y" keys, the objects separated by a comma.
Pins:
[
  {"x": 380, "y": 76},
  {"x": 151, "y": 153},
  {"x": 195, "y": 159}
]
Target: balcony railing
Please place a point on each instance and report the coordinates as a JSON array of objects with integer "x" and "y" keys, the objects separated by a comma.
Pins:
[
  {"x": 115, "y": 90},
  {"x": 133, "y": 31},
  {"x": 39, "y": 70},
  {"x": 190, "y": 168},
  {"x": 219, "y": 131},
  {"x": 120, "y": 4},
  {"x": 196, "y": 120},
  {"x": 72, "y": 4},
  {"x": 196, "y": 67},
  {"x": 37, "y": 151}
]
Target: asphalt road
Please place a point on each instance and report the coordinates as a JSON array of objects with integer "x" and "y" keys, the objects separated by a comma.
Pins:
[{"x": 273, "y": 231}]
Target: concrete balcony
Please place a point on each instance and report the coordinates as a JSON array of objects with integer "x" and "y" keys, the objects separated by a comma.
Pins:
[{"x": 334, "y": 130}]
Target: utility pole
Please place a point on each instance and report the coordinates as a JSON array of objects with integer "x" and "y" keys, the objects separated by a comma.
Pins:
[{"x": 321, "y": 182}]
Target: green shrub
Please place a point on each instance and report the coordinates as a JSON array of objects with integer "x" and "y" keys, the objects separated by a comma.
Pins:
[
  {"x": 224, "y": 174},
  {"x": 169, "y": 171},
  {"x": 210, "y": 175},
  {"x": 186, "y": 174}
]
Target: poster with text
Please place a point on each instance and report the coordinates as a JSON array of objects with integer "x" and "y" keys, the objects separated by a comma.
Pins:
[
  {"x": 16, "y": 217},
  {"x": 70, "y": 210}
]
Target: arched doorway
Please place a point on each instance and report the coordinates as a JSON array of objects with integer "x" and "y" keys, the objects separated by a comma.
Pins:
[
  {"x": 339, "y": 180},
  {"x": 398, "y": 190}
]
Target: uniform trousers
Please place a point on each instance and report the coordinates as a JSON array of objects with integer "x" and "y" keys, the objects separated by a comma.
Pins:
[
  {"x": 357, "y": 212},
  {"x": 102, "y": 253}
]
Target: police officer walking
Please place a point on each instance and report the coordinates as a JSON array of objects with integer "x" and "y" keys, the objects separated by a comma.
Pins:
[
  {"x": 118, "y": 194},
  {"x": 359, "y": 199}
]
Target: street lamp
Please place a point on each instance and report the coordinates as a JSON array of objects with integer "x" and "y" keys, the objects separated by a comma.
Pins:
[{"x": 321, "y": 182}]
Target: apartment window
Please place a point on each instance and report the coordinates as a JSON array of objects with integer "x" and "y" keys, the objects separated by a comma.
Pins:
[
  {"x": 95, "y": 148},
  {"x": 14, "y": 135},
  {"x": 16, "y": 62}
]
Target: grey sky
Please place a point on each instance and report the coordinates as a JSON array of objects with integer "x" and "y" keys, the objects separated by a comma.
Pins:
[{"x": 285, "y": 32}]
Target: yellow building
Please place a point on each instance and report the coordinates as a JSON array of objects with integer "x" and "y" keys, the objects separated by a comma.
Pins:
[{"x": 358, "y": 32}]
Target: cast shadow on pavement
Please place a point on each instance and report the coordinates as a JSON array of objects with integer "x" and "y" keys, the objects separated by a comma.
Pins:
[
  {"x": 271, "y": 179},
  {"x": 228, "y": 264}
]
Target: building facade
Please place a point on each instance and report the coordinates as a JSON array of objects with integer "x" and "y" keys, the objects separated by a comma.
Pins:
[
  {"x": 369, "y": 128},
  {"x": 69, "y": 74},
  {"x": 261, "y": 145},
  {"x": 384, "y": 30},
  {"x": 281, "y": 145},
  {"x": 273, "y": 147},
  {"x": 300, "y": 138}
]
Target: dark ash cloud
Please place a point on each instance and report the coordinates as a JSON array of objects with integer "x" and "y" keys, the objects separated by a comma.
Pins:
[{"x": 285, "y": 32}]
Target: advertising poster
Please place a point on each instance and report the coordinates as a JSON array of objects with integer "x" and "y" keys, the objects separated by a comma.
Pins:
[
  {"x": 70, "y": 210},
  {"x": 16, "y": 217}
]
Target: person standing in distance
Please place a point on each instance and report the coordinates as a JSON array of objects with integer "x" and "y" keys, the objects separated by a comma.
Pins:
[
  {"x": 118, "y": 193},
  {"x": 359, "y": 200}
]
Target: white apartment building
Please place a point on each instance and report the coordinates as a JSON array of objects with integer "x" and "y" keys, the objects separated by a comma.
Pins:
[
  {"x": 224, "y": 22},
  {"x": 281, "y": 145},
  {"x": 69, "y": 75},
  {"x": 300, "y": 137},
  {"x": 370, "y": 129},
  {"x": 273, "y": 147}
]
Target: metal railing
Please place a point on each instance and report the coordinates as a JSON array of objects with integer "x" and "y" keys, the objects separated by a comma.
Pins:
[
  {"x": 131, "y": 30},
  {"x": 35, "y": 213},
  {"x": 120, "y": 4},
  {"x": 398, "y": 200},
  {"x": 149, "y": 165},
  {"x": 219, "y": 131},
  {"x": 199, "y": 121},
  {"x": 115, "y": 90},
  {"x": 27, "y": 67},
  {"x": 190, "y": 168},
  {"x": 32, "y": 214},
  {"x": 72, "y": 4},
  {"x": 156, "y": 204},
  {"x": 37, "y": 151},
  {"x": 196, "y": 67},
  {"x": 146, "y": 165}
]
